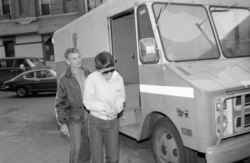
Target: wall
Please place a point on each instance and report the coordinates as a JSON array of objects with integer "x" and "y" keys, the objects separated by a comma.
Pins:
[
  {"x": 30, "y": 45},
  {"x": 2, "y": 52},
  {"x": 71, "y": 6},
  {"x": 56, "y": 7},
  {"x": 28, "y": 39},
  {"x": 29, "y": 50},
  {"x": 28, "y": 9}
]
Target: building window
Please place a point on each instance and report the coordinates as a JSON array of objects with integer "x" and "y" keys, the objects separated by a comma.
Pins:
[
  {"x": 6, "y": 7},
  {"x": 9, "y": 47},
  {"x": 48, "y": 48},
  {"x": 91, "y": 4},
  {"x": 45, "y": 7},
  {"x": 20, "y": 3}
]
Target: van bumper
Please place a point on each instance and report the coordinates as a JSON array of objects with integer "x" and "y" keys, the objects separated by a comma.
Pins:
[{"x": 233, "y": 150}]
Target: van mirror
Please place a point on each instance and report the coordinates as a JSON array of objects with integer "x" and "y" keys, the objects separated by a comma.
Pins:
[
  {"x": 148, "y": 50},
  {"x": 22, "y": 67}
]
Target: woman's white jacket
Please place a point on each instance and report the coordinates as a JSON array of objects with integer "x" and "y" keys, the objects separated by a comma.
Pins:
[{"x": 101, "y": 94}]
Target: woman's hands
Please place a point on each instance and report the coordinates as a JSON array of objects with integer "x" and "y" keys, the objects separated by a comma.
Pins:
[{"x": 109, "y": 110}]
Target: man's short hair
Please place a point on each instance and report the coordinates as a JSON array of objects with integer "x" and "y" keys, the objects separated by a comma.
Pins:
[
  {"x": 104, "y": 60},
  {"x": 69, "y": 51}
]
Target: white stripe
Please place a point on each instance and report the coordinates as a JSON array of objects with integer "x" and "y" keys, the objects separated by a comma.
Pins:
[{"x": 168, "y": 90}]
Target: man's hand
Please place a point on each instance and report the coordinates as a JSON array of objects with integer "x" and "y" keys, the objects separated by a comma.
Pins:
[{"x": 64, "y": 129}]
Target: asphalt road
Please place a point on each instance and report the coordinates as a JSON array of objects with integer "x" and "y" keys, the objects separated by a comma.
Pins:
[{"x": 29, "y": 133}]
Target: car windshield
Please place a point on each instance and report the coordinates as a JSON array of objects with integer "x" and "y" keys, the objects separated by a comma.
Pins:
[
  {"x": 185, "y": 32},
  {"x": 34, "y": 62},
  {"x": 18, "y": 76},
  {"x": 232, "y": 25}
]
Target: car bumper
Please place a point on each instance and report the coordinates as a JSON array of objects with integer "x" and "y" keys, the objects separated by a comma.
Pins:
[
  {"x": 3, "y": 88},
  {"x": 230, "y": 151}
]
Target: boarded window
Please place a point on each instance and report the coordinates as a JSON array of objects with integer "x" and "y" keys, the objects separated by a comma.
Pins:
[
  {"x": 45, "y": 7},
  {"x": 6, "y": 7}
]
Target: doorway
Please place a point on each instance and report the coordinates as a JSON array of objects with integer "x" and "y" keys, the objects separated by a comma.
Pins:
[
  {"x": 123, "y": 35},
  {"x": 9, "y": 48}
]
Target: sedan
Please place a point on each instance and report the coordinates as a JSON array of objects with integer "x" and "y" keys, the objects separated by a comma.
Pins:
[{"x": 33, "y": 81}]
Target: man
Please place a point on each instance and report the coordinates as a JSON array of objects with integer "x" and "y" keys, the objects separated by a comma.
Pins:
[{"x": 70, "y": 111}]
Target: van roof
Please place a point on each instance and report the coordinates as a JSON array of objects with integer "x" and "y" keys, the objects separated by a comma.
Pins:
[{"x": 94, "y": 24}]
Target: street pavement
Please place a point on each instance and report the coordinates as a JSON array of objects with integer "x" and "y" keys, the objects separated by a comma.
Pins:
[{"x": 29, "y": 133}]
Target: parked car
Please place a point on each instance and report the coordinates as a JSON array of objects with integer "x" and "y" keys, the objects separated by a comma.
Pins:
[
  {"x": 32, "y": 81},
  {"x": 13, "y": 66}
]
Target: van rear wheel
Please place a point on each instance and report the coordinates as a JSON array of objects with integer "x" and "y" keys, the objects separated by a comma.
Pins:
[
  {"x": 21, "y": 92},
  {"x": 167, "y": 144}
]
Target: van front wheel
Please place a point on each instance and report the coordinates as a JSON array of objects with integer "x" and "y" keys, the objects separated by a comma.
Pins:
[
  {"x": 21, "y": 92},
  {"x": 167, "y": 144}
]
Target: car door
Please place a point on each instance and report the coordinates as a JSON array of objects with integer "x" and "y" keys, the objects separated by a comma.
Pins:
[
  {"x": 45, "y": 80},
  {"x": 52, "y": 80},
  {"x": 29, "y": 81}
]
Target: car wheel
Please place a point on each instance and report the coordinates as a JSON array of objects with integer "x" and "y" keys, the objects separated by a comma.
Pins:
[
  {"x": 167, "y": 144},
  {"x": 21, "y": 92}
]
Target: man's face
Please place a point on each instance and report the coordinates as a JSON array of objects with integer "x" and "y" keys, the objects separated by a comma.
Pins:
[{"x": 74, "y": 60}]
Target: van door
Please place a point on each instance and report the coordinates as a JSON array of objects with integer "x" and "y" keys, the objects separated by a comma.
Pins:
[
  {"x": 124, "y": 49},
  {"x": 6, "y": 70},
  {"x": 123, "y": 38}
]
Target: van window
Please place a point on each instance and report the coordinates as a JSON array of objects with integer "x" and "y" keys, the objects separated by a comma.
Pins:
[
  {"x": 6, "y": 63},
  {"x": 18, "y": 62},
  {"x": 232, "y": 25},
  {"x": 2, "y": 64},
  {"x": 186, "y": 32},
  {"x": 144, "y": 24},
  {"x": 145, "y": 32},
  {"x": 34, "y": 62}
]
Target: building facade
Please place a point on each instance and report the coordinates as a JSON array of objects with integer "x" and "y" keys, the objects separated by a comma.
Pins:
[{"x": 27, "y": 26}]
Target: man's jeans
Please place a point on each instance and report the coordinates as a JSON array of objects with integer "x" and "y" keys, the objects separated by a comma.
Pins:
[
  {"x": 79, "y": 143},
  {"x": 103, "y": 136}
]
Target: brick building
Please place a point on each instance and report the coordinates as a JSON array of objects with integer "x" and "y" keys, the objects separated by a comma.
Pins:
[{"x": 27, "y": 26}]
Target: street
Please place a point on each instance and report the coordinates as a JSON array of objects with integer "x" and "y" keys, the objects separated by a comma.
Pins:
[{"x": 29, "y": 133}]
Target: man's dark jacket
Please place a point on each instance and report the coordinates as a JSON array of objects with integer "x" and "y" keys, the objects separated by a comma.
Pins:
[{"x": 69, "y": 100}]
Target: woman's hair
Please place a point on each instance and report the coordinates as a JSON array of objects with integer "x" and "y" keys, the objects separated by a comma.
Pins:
[
  {"x": 104, "y": 60},
  {"x": 70, "y": 50}
]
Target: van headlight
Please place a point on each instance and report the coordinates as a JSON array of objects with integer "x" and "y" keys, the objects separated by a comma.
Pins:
[
  {"x": 222, "y": 124},
  {"x": 223, "y": 117}
]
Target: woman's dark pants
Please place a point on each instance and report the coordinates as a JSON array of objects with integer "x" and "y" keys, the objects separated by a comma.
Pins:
[{"x": 103, "y": 136}]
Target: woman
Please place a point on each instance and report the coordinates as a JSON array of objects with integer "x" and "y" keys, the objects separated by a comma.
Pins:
[{"x": 104, "y": 97}]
